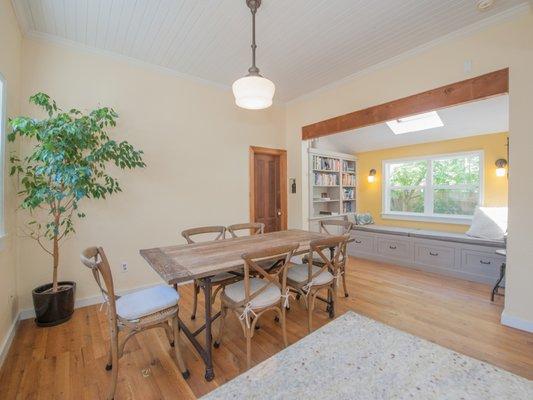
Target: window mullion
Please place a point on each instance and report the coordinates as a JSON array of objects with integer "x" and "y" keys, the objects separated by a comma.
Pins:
[{"x": 428, "y": 196}]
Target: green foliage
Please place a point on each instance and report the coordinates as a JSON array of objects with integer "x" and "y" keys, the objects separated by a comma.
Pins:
[
  {"x": 68, "y": 163},
  {"x": 408, "y": 181}
]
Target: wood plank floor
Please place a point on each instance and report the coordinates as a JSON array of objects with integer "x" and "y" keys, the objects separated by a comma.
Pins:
[{"x": 67, "y": 361}]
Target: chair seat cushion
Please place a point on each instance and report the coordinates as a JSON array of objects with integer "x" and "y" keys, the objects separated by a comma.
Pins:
[
  {"x": 146, "y": 301},
  {"x": 299, "y": 274},
  {"x": 271, "y": 295}
]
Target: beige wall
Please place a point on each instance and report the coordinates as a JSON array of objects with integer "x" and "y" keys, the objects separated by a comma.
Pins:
[
  {"x": 10, "y": 51},
  {"x": 196, "y": 147},
  {"x": 507, "y": 44}
]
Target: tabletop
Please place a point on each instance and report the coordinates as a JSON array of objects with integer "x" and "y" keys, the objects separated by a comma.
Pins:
[{"x": 185, "y": 262}]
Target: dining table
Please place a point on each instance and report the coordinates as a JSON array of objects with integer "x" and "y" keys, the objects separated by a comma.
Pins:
[{"x": 201, "y": 261}]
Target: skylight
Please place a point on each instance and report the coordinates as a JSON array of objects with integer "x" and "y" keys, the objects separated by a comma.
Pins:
[{"x": 414, "y": 123}]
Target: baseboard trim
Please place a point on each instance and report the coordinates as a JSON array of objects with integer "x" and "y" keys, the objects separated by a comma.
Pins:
[
  {"x": 516, "y": 322},
  {"x": 8, "y": 340},
  {"x": 89, "y": 301}
]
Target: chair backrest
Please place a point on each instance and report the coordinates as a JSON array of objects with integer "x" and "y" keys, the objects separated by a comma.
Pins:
[
  {"x": 254, "y": 228},
  {"x": 95, "y": 259},
  {"x": 274, "y": 276},
  {"x": 331, "y": 262},
  {"x": 219, "y": 232},
  {"x": 327, "y": 224}
]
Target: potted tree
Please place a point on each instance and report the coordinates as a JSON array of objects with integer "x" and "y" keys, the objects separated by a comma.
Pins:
[{"x": 67, "y": 164}]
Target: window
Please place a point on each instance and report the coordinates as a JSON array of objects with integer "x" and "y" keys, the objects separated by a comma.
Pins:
[
  {"x": 435, "y": 187},
  {"x": 2, "y": 145},
  {"x": 415, "y": 123}
]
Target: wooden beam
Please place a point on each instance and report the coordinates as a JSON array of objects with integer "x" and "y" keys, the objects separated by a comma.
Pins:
[{"x": 478, "y": 88}]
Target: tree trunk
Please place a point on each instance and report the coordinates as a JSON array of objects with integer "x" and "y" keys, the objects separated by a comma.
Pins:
[{"x": 55, "y": 252}]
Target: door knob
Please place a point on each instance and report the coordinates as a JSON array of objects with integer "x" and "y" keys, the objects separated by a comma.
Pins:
[{"x": 279, "y": 213}]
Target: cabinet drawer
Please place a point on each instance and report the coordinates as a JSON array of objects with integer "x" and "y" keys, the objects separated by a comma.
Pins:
[
  {"x": 393, "y": 248},
  {"x": 438, "y": 256},
  {"x": 361, "y": 244},
  {"x": 481, "y": 263}
]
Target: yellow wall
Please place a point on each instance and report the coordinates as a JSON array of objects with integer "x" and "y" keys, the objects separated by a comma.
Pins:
[
  {"x": 369, "y": 195},
  {"x": 10, "y": 51},
  {"x": 506, "y": 43}
]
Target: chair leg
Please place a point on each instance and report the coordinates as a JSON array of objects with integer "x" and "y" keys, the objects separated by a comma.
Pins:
[
  {"x": 170, "y": 334},
  {"x": 248, "y": 333},
  {"x": 283, "y": 312},
  {"x": 344, "y": 281},
  {"x": 109, "y": 364},
  {"x": 177, "y": 349},
  {"x": 222, "y": 318},
  {"x": 114, "y": 363},
  {"x": 310, "y": 307},
  {"x": 196, "y": 290}
]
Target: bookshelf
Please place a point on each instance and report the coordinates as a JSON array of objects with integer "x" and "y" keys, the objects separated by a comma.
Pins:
[{"x": 332, "y": 184}]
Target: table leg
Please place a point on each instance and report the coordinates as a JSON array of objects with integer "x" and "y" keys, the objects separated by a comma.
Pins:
[{"x": 209, "y": 374}]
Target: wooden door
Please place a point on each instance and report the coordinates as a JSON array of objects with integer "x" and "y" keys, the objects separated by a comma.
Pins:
[{"x": 268, "y": 192}]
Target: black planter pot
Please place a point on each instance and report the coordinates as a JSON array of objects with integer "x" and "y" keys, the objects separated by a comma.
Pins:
[{"x": 53, "y": 308}]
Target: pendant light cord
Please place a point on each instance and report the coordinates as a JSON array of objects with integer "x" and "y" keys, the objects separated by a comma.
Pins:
[{"x": 254, "y": 5}]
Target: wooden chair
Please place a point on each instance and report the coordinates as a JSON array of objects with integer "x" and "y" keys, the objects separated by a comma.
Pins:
[
  {"x": 308, "y": 279},
  {"x": 254, "y": 228},
  {"x": 155, "y": 307},
  {"x": 327, "y": 226},
  {"x": 219, "y": 280},
  {"x": 253, "y": 296}
]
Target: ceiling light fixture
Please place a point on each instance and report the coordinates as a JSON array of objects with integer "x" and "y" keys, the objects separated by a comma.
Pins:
[
  {"x": 253, "y": 92},
  {"x": 415, "y": 123},
  {"x": 483, "y": 5}
]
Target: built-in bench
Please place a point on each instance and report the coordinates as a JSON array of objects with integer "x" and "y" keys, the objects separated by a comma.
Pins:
[{"x": 452, "y": 254}]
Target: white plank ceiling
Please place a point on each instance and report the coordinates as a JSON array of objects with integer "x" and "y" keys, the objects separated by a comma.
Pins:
[{"x": 302, "y": 44}]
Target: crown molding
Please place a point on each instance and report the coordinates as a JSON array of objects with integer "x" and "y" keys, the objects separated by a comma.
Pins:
[{"x": 506, "y": 15}]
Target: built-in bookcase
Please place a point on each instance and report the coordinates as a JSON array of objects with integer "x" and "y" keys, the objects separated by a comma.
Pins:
[{"x": 332, "y": 184}]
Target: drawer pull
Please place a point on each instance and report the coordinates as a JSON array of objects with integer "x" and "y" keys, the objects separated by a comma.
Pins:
[
  {"x": 358, "y": 241},
  {"x": 485, "y": 262},
  {"x": 433, "y": 254},
  {"x": 392, "y": 247}
]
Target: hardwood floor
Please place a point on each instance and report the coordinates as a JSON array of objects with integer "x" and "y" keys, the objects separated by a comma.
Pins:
[{"x": 67, "y": 361}]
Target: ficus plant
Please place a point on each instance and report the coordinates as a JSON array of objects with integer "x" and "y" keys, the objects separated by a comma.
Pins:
[{"x": 67, "y": 164}]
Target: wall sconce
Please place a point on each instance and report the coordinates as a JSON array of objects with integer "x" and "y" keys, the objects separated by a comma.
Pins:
[
  {"x": 501, "y": 167},
  {"x": 372, "y": 176}
]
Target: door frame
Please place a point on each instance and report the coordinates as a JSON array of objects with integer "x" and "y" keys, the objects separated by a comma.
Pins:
[{"x": 282, "y": 177}]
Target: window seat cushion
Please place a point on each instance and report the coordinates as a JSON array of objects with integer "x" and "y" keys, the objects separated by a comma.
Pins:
[{"x": 429, "y": 234}]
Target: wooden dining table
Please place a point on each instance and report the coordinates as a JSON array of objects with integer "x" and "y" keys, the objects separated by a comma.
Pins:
[{"x": 201, "y": 261}]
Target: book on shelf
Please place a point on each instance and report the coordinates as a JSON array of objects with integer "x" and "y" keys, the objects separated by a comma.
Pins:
[
  {"x": 326, "y": 163},
  {"x": 348, "y": 193},
  {"x": 348, "y": 166},
  {"x": 325, "y": 179},
  {"x": 347, "y": 207},
  {"x": 348, "y": 180}
]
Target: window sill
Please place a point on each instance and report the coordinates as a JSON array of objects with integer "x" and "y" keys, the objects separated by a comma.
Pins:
[{"x": 428, "y": 218}]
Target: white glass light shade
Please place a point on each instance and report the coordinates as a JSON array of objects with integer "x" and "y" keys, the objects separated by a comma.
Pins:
[
  {"x": 501, "y": 171},
  {"x": 253, "y": 92}
]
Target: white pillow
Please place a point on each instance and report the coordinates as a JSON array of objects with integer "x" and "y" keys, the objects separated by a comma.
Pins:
[{"x": 489, "y": 223}]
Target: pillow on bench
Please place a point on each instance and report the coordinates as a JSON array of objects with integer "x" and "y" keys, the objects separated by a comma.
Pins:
[{"x": 489, "y": 223}]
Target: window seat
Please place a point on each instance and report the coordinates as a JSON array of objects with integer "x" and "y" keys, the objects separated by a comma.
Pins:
[
  {"x": 452, "y": 254},
  {"x": 428, "y": 234}
]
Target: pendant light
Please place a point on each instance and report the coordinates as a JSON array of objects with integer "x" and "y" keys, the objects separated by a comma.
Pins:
[{"x": 253, "y": 91}]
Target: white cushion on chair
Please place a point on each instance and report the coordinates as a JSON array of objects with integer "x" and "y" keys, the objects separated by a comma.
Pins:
[
  {"x": 299, "y": 273},
  {"x": 271, "y": 295},
  {"x": 146, "y": 301}
]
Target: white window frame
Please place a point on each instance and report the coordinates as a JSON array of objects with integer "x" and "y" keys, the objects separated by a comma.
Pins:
[
  {"x": 428, "y": 214},
  {"x": 3, "y": 138}
]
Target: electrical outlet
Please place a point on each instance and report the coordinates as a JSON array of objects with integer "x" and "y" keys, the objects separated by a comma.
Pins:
[{"x": 124, "y": 266}]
